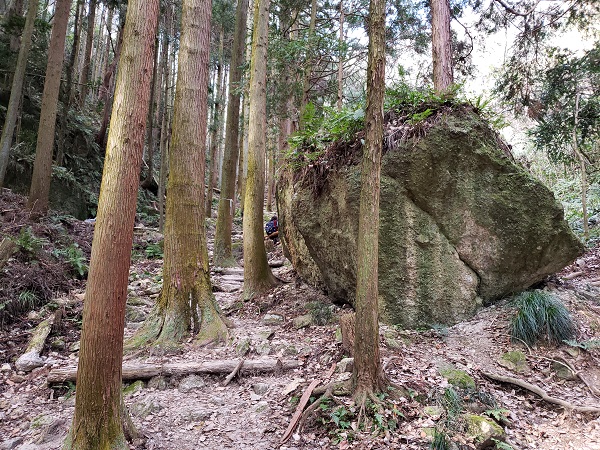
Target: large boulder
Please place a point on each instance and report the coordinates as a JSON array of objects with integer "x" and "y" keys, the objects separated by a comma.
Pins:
[{"x": 461, "y": 223}]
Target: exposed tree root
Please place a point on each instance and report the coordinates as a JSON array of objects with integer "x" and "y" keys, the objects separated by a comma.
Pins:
[{"x": 539, "y": 391}]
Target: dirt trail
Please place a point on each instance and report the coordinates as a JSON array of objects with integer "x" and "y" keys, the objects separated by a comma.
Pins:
[{"x": 252, "y": 412}]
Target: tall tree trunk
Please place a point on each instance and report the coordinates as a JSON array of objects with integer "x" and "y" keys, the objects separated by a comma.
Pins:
[
  {"x": 443, "y": 74},
  {"x": 582, "y": 169},
  {"x": 308, "y": 66},
  {"x": 68, "y": 91},
  {"x": 257, "y": 273},
  {"x": 368, "y": 374},
  {"x": 241, "y": 178},
  {"x": 186, "y": 277},
  {"x": 106, "y": 53},
  {"x": 12, "y": 111},
  {"x": 42, "y": 167},
  {"x": 214, "y": 132},
  {"x": 15, "y": 9},
  {"x": 226, "y": 209},
  {"x": 271, "y": 157},
  {"x": 340, "y": 75},
  {"x": 150, "y": 129},
  {"x": 166, "y": 116},
  {"x": 89, "y": 39},
  {"x": 107, "y": 88},
  {"x": 97, "y": 423}
]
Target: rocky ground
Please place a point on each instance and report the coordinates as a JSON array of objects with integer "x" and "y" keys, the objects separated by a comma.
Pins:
[{"x": 296, "y": 322}]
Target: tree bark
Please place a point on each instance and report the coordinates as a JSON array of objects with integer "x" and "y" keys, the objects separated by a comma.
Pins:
[
  {"x": 443, "y": 75},
  {"x": 97, "y": 423},
  {"x": 186, "y": 277},
  {"x": 165, "y": 114},
  {"x": 68, "y": 91},
  {"x": 257, "y": 273},
  {"x": 340, "y": 75},
  {"x": 89, "y": 39},
  {"x": 150, "y": 129},
  {"x": 106, "y": 89},
  {"x": 368, "y": 374},
  {"x": 12, "y": 111},
  {"x": 308, "y": 62},
  {"x": 42, "y": 167},
  {"x": 214, "y": 132},
  {"x": 226, "y": 209}
]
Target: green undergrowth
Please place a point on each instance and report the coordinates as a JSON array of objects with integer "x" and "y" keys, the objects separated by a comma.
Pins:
[
  {"x": 541, "y": 316},
  {"x": 343, "y": 421},
  {"x": 328, "y": 131}
]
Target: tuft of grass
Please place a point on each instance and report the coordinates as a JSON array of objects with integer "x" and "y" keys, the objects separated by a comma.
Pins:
[
  {"x": 440, "y": 441},
  {"x": 541, "y": 316}
]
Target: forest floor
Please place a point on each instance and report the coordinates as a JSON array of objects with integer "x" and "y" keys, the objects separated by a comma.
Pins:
[{"x": 297, "y": 322}]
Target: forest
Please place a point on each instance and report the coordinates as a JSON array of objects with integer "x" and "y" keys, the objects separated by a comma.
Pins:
[{"x": 299, "y": 224}]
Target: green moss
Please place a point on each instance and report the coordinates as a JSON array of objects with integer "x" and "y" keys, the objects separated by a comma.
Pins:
[
  {"x": 457, "y": 377},
  {"x": 515, "y": 360},
  {"x": 483, "y": 429},
  {"x": 133, "y": 387}
]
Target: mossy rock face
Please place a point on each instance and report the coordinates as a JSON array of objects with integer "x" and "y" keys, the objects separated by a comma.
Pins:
[
  {"x": 483, "y": 430},
  {"x": 515, "y": 361},
  {"x": 457, "y": 377},
  {"x": 461, "y": 224},
  {"x": 133, "y": 388}
]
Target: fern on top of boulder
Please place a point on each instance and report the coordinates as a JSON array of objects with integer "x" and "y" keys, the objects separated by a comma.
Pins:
[{"x": 541, "y": 316}]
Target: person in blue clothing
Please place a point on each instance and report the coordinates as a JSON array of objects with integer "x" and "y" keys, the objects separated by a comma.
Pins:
[{"x": 272, "y": 230}]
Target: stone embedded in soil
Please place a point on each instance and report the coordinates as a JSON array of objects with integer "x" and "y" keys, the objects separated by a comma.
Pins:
[
  {"x": 159, "y": 383},
  {"x": 515, "y": 361},
  {"x": 303, "y": 321},
  {"x": 11, "y": 444},
  {"x": 260, "y": 388},
  {"x": 345, "y": 365},
  {"x": 272, "y": 319},
  {"x": 484, "y": 430},
  {"x": 190, "y": 383},
  {"x": 29, "y": 361}
]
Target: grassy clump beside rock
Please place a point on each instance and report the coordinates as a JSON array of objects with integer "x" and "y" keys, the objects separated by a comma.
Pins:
[{"x": 541, "y": 316}]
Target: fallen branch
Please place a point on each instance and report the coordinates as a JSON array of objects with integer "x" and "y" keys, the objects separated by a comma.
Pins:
[
  {"x": 233, "y": 373},
  {"x": 539, "y": 391},
  {"x": 143, "y": 371},
  {"x": 298, "y": 413},
  {"x": 572, "y": 275},
  {"x": 31, "y": 358}
]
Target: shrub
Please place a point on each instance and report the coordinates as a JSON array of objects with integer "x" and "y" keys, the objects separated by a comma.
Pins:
[{"x": 541, "y": 316}]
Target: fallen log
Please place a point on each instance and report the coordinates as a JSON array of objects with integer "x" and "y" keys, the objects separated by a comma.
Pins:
[
  {"x": 539, "y": 391},
  {"x": 31, "y": 358},
  {"x": 144, "y": 371}
]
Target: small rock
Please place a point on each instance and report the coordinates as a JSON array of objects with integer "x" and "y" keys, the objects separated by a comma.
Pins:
[
  {"x": 133, "y": 388},
  {"x": 254, "y": 397},
  {"x": 148, "y": 405},
  {"x": 190, "y": 383},
  {"x": 243, "y": 347},
  {"x": 196, "y": 415},
  {"x": 75, "y": 346},
  {"x": 515, "y": 361},
  {"x": 272, "y": 319},
  {"x": 345, "y": 365},
  {"x": 302, "y": 321},
  {"x": 456, "y": 376},
  {"x": 484, "y": 430},
  {"x": 435, "y": 412},
  {"x": 5, "y": 368},
  {"x": 16, "y": 378},
  {"x": 159, "y": 383},
  {"x": 261, "y": 407},
  {"x": 563, "y": 372},
  {"x": 57, "y": 343},
  {"x": 260, "y": 388},
  {"x": 29, "y": 361},
  {"x": 10, "y": 444}
]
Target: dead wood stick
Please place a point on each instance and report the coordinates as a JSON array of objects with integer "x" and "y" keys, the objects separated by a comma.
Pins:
[
  {"x": 144, "y": 371},
  {"x": 572, "y": 275},
  {"x": 233, "y": 373},
  {"x": 539, "y": 391},
  {"x": 31, "y": 358},
  {"x": 298, "y": 413}
]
